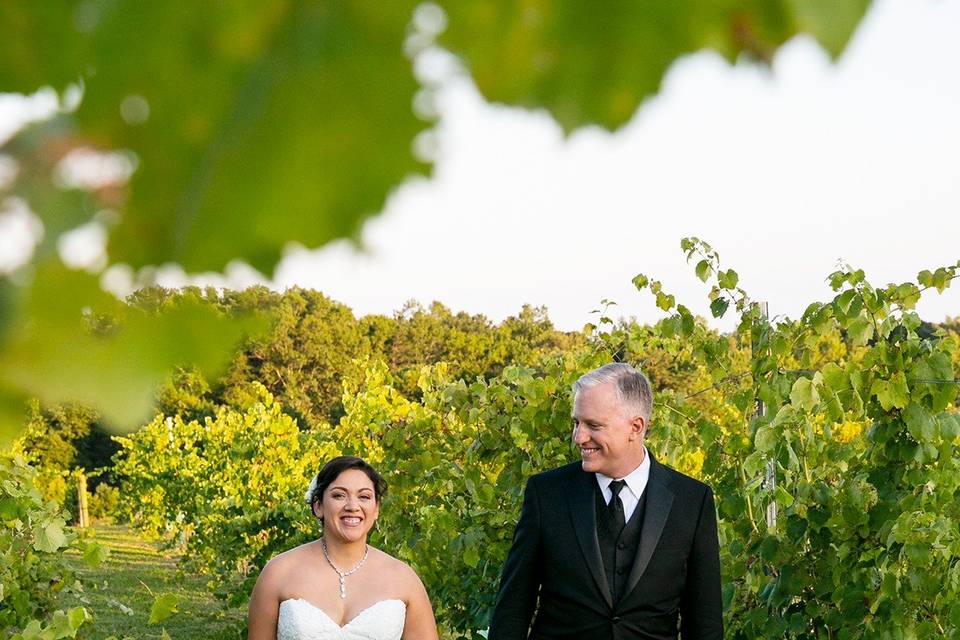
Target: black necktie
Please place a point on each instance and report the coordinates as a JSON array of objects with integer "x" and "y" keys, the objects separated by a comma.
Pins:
[{"x": 615, "y": 506}]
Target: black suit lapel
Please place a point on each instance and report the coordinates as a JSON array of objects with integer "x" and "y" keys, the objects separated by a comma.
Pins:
[
  {"x": 584, "y": 515},
  {"x": 659, "y": 501}
]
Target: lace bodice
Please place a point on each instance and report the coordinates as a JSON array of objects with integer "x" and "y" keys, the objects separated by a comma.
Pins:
[{"x": 300, "y": 620}]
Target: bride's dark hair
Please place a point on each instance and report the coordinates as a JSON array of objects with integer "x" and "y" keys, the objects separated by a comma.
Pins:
[{"x": 334, "y": 468}]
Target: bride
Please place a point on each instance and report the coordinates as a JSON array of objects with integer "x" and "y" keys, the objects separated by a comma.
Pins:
[{"x": 339, "y": 587}]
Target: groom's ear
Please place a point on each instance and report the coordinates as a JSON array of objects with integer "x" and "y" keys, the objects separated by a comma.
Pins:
[{"x": 638, "y": 426}]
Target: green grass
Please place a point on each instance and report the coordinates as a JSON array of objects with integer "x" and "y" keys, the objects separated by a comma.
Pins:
[{"x": 120, "y": 592}]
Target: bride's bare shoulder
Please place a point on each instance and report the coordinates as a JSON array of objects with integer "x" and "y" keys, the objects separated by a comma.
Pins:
[
  {"x": 395, "y": 568},
  {"x": 291, "y": 560}
]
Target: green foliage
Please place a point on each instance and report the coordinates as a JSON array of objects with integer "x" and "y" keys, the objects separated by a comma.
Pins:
[
  {"x": 131, "y": 349},
  {"x": 63, "y": 625},
  {"x": 246, "y": 139},
  {"x": 52, "y": 443},
  {"x": 864, "y": 447},
  {"x": 33, "y": 571},
  {"x": 471, "y": 345},
  {"x": 51, "y": 436},
  {"x": 94, "y": 554}
]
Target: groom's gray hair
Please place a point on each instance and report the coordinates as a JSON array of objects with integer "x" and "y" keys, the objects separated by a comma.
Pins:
[{"x": 633, "y": 388}]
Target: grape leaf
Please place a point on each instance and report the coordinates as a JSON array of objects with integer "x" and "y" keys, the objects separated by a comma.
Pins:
[
  {"x": 804, "y": 394},
  {"x": 920, "y": 422},
  {"x": 892, "y": 393},
  {"x": 164, "y": 606},
  {"x": 860, "y": 330},
  {"x": 703, "y": 270},
  {"x": 49, "y": 537},
  {"x": 94, "y": 554},
  {"x": 727, "y": 279},
  {"x": 718, "y": 307}
]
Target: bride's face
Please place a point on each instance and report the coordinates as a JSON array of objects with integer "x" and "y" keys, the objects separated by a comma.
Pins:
[{"x": 349, "y": 507}]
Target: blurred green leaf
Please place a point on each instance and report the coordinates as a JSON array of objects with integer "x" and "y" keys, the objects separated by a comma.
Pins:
[
  {"x": 830, "y": 21},
  {"x": 941, "y": 279},
  {"x": 37, "y": 151},
  {"x": 471, "y": 556},
  {"x": 765, "y": 440},
  {"x": 12, "y": 415},
  {"x": 76, "y": 617},
  {"x": 949, "y": 425},
  {"x": 254, "y": 124},
  {"x": 54, "y": 354},
  {"x": 834, "y": 377},
  {"x": 589, "y": 63},
  {"x": 9, "y": 509}
]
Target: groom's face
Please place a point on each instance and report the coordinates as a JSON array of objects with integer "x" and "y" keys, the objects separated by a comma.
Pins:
[{"x": 608, "y": 435}]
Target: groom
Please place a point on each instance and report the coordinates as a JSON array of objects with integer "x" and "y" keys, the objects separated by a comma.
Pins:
[{"x": 617, "y": 545}]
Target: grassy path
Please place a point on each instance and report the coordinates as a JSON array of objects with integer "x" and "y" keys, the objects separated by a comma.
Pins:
[{"x": 121, "y": 592}]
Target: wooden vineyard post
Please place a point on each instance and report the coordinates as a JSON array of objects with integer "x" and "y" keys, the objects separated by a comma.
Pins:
[{"x": 83, "y": 515}]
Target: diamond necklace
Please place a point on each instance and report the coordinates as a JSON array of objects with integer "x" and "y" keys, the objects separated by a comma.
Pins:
[{"x": 343, "y": 574}]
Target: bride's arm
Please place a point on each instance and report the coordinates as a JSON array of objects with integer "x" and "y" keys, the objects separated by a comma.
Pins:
[
  {"x": 420, "y": 623},
  {"x": 264, "y": 607}
]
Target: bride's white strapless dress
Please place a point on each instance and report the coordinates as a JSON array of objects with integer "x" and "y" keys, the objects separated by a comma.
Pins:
[{"x": 300, "y": 620}]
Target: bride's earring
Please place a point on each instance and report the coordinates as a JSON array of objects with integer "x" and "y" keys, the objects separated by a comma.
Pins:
[{"x": 313, "y": 509}]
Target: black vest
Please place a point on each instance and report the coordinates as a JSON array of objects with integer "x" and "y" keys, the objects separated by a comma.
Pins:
[{"x": 618, "y": 549}]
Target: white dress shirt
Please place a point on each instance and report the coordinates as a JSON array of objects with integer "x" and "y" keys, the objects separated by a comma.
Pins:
[{"x": 636, "y": 482}]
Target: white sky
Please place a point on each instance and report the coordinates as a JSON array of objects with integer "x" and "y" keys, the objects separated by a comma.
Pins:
[{"x": 784, "y": 172}]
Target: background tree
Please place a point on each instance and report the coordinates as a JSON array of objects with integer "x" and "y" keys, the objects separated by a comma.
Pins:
[{"x": 61, "y": 441}]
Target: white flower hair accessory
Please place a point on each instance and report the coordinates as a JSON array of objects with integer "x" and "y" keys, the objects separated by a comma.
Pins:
[{"x": 308, "y": 496}]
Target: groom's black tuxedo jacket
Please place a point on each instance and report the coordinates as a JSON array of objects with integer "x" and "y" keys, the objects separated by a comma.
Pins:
[{"x": 554, "y": 573}]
